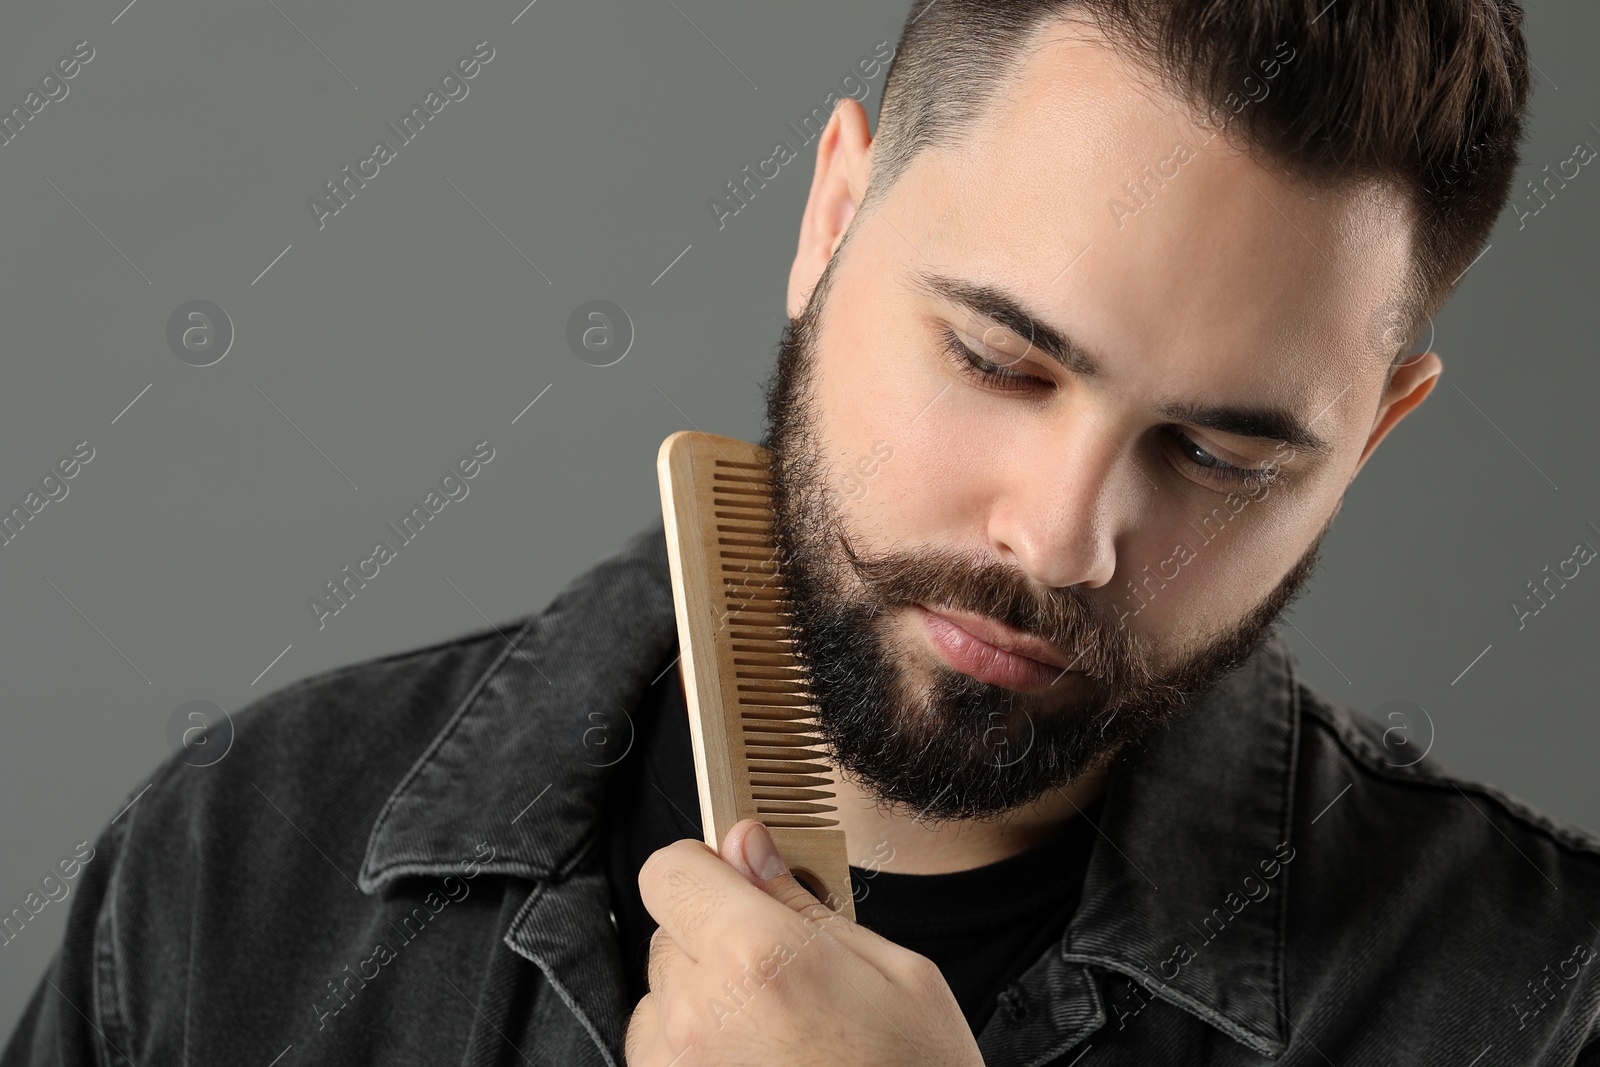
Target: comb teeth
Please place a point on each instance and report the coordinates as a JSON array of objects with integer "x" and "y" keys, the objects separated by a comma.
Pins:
[
  {"x": 776, "y": 711},
  {"x": 752, "y": 711}
]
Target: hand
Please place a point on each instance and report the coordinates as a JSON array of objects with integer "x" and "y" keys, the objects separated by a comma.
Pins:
[{"x": 747, "y": 971}]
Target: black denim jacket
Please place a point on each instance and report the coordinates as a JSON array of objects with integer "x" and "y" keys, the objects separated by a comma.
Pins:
[{"x": 397, "y": 863}]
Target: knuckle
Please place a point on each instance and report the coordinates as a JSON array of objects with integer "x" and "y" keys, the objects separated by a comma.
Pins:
[
  {"x": 683, "y": 1024},
  {"x": 746, "y": 946},
  {"x": 751, "y": 958},
  {"x": 920, "y": 974},
  {"x": 821, "y": 916}
]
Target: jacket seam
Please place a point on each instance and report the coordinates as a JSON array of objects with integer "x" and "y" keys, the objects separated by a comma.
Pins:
[
  {"x": 551, "y": 979},
  {"x": 107, "y": 999},
  {"x": 394, "y": 659},
  {"x": 1268, "y": 1047},
  {"x": 1569, "y": 838},
  {"x": 1286, "y": 831},
  {"x": 1089, "y": 1027}
]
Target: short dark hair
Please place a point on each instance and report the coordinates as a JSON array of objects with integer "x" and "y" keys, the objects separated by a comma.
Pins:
[{"x": 1423, "y": 95}]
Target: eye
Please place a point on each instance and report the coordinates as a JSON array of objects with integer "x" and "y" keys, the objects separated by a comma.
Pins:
[
  {"x": 1210, "y": 467},
  {"x": 987, "y": 372}
]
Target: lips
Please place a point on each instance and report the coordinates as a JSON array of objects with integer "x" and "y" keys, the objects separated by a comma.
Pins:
[{"x": 989, "y": 652}]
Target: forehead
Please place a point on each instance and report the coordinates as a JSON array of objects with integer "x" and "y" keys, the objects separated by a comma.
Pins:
[{"x": 1220, "y": 272}]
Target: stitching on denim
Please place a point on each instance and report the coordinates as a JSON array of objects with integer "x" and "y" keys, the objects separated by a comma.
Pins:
[
  {"x": 1339, "y": 722},
  {"x": 1097, "y": 1019},
  {"x": 1285, "y": 832},
  {"x": 1269, "y": 1047},
  {"x": 396, "y": 658},
  {"x": 107, "y": 991},
  {"x": 539, "y": 891}
]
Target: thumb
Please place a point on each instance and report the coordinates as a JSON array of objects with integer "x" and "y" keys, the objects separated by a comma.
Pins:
[{"x": 751, "y": 849}]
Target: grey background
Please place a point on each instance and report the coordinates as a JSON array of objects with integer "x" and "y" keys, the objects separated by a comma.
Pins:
[{"x": 375, "y": 352}]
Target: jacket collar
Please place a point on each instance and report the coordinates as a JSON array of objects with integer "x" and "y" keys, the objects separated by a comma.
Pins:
[
  {"x": 522, "y": 763},
  {"x": 1190, "y": 824},
  {"x": 1187, "y": 890}
]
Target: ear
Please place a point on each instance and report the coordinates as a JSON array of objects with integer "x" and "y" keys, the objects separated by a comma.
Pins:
[
  {"x": 1412, "y": 382},
  {"x": 839, "y": 181}
]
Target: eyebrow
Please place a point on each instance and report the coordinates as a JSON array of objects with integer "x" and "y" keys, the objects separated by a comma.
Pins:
[
  {"x": 1268, "y": 424},
  {"x": 1263, "y": 422}
]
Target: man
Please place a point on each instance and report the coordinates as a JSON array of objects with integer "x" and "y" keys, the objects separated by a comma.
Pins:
[{"x": 1085, "y": 347}]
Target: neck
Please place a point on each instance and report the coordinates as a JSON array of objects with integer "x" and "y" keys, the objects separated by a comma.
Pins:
[{"x": 922, "y": 846}]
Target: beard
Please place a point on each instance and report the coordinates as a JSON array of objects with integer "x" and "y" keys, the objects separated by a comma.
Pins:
[{"x": 949, "y": 746}]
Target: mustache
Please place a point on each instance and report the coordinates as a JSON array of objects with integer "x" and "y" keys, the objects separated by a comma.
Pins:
[{"x": 1065, "y": 618}]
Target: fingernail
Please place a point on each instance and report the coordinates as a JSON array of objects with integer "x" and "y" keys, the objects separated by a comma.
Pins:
[{"x": 761, "y": 855}]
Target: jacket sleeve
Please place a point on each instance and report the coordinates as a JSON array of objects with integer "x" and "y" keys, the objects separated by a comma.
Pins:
[{"x": 76, "y": 1017}]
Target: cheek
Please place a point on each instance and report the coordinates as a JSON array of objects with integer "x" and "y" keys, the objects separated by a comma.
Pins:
[
  {"x": 887, "y": 431},
  {"x": 1226, "y": 565},
  {"x": 943, "y": 455}
]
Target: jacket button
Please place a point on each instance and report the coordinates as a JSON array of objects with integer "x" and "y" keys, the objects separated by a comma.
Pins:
[{"x": 1015, "y": 1002}]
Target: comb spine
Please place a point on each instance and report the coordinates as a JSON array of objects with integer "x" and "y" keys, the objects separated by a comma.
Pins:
[
  {"x": 717, "y": 714},
  {"x": 718, "y": 751}
]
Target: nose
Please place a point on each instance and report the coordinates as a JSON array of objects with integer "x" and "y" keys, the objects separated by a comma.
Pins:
[{"x": 1056, "y": 511}]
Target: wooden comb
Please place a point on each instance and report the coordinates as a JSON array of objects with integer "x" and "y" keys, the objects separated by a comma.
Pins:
[{"x": 751, "y": 715}]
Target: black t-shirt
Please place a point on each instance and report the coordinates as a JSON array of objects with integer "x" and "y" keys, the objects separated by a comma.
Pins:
[{"x": 983, "y": 927}]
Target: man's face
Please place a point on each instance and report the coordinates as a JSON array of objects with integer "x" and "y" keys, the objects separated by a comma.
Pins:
[{"x": 1138, "y": 485}]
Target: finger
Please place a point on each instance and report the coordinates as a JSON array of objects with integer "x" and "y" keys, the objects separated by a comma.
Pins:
[
  {"x": 676, "y": 892},
  {"x": 751, "y": 850},
  {"x": 709, "y": 908},
  {"x": 748, "y": 847},
  {"x": 640, "y": 1031},
  {"x": 666, "y": 962},
  {"x": 643, "y": 1044}
]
